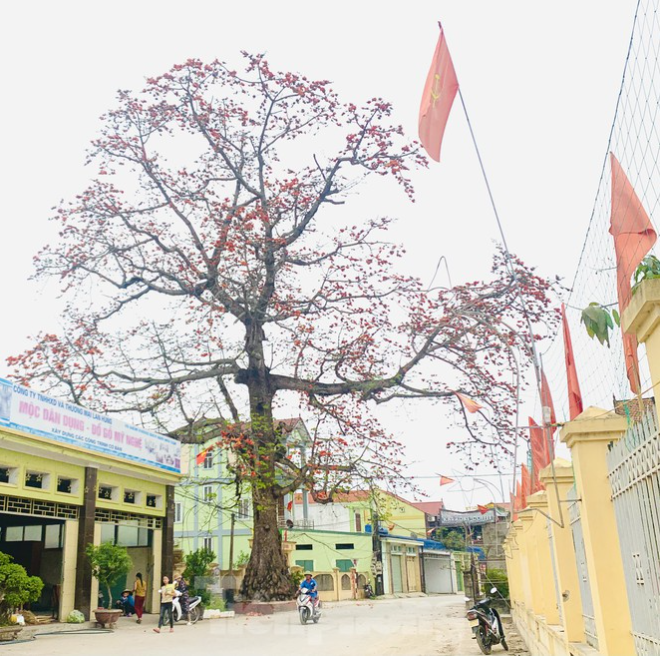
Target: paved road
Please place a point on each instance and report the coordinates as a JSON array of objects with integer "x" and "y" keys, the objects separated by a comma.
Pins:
[{"x": 424, "y": 626}]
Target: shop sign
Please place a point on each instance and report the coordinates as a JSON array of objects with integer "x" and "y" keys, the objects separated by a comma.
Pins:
[{"x": 31, "y": 412}]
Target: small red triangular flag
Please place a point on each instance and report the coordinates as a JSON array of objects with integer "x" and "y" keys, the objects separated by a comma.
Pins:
[
  {"x": 469, "y": 404},
  {"x": 483, "y": 509},
  {"x": 445, "y": 480}
]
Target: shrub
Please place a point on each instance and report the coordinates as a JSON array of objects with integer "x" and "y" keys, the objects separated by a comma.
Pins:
[
  {"x": 16, "y": 587},
  {"x": 109, "y": 563},
  {"x": 296, "y": 577},
  {"x": 197, "y": 567},
  {"x": 499, "y": 579}
]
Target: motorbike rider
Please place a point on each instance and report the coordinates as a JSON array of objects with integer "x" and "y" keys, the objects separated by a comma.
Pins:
[{"x": 308, "y": 586}]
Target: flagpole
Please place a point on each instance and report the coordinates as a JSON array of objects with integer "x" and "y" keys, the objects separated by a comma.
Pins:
[{"x": 535, "y": 356}]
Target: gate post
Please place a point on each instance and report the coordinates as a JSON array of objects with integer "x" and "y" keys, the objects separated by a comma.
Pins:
[
  {"x": 642, "y": 318},
  {"x": 544, "y": 592},
  {"x": 564, "y": 551},
  {"x": 588, "y": 437}
]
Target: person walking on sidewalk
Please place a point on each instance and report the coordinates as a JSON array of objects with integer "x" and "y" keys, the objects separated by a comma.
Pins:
[
  {"x": 139, "y": 595},
  {"x": 167, "y": 592}
]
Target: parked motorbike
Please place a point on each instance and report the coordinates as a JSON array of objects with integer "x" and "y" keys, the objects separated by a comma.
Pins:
[
  {"x": 369, "y": 591},
  {"x": 307, "y": 609},
  {"x": 194, "y": 609},
  {"x": 487, "y": 625}
]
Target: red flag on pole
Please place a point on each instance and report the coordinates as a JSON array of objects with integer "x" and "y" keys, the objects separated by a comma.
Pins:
[
  {"x": 526, "y": 485},
  {"x": 633, "y": 238},
  {"x": 469, "y": 404},
  {"x": 201, "y": 456},
  {"x": 439, "y": 93},
  {"x": 289, "y": 505},
  {"x": 575, "y": 406},
  {"x": 445, "y": 480},
  {"x": 482, "y": 509},
  {"x": 540, "y": 452}
]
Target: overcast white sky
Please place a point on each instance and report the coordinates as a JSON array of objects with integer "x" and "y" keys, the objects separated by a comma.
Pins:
[{"x": 540, "y": 81}]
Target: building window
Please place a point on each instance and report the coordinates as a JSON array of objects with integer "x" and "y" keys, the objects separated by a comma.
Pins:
[
  {"x": 344, "y": 564},
  {"x": 108, "y": 492},
  {"x": 358, "y": 523},
  {"x": 243, "y": 508},
  {"x": 38, "y": 480},
  {"x": 67, "y": 485},
  {"x": 154, "y": 500},
  {"x": 178, "y": 512},
  {"x": 345, "y": 545},
  {"x": 208, "y": 544},
  {"x": 307, "y": 565},
  {"x": 8, "y": 475},
  {"x": 208, "y": 460},
  {"x": 132, "y": 497},
  {"x": 53, "y": 536},
  {"x": 207, "y": 493},
  {"x": 303, "y": 547}
]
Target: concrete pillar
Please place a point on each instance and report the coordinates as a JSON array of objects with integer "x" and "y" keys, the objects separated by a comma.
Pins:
[
  {"x": 83, "y": 601},
  {"x": 167, "y": 555},
  {"x": 563, "y": 548},
  {"x": 588, "y": 437},
  {"x": 528, "y": 570},
  {"x": 157, "y": 571},
  {"x": 69, "y": 569},
  {"x": 642, "y": 318},
  {"x": 94, "y": 587},
  {"x": 545, "y": 592}
]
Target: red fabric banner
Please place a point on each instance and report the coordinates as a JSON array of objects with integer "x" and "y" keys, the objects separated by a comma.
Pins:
[
  {"x": 633, "y": 238},
  {"x": 201, "y": 456},
  {"x": 546, "y": 402},
  {"x": 439, "y": 93},
  {"x": 575, "y": 406},
  {"x": 540, "y": 452}
]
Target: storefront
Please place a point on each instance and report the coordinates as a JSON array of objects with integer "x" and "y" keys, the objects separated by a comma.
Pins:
[{"x": 70, "y": 477}]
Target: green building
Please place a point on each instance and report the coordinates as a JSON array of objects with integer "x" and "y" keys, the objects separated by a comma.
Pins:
[{"x": 210, "y": 510}]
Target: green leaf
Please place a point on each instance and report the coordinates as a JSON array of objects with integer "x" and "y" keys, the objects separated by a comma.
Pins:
[{"x": 617, "y": 318}]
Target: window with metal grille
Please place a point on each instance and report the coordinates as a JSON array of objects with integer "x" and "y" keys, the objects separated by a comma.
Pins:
[
  {"x": 178, "y": 512},
  {"x": 208, "y": 460},
  {"x": 304, "y": 547},
  {"x": 207, "y": 493},
  {"x": 243, "y": 509},
  {"x": 208, "y": 544},
  {"x": 67, "y": 485},
  {"x": 345, "y": 545},
  {"x": 358, "y": 523},
  {"x": 153, "y": 500}
]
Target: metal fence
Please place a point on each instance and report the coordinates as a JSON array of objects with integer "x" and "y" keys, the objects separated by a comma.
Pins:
[
  {"x": 583, "y": 573},
  {"x": 634, "y": 473}
]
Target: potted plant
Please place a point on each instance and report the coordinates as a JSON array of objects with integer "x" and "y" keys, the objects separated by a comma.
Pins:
[
  {"x": 16, "y": 589},
  {"x": 109, "y": 563}
]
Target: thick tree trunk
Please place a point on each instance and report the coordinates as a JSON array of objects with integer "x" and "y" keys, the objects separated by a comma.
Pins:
[{"x": 267, "y": 577}]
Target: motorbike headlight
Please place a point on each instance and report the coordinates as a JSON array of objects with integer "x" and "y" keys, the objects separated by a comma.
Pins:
[{"x": 472, "y": 615}]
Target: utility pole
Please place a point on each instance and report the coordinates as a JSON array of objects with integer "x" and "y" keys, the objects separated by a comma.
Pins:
[{"x": 378, "y": 553}]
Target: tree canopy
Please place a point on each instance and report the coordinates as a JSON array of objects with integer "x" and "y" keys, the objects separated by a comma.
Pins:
[{"x": 217, "y": 275}]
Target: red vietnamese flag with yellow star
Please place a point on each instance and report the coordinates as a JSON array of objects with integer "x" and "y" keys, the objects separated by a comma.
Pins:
[{"x": 439, "y": 93}]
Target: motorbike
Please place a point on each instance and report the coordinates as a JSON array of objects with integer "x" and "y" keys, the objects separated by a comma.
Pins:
[
  {"x": 194, "y": 609},
  {"x": 307, "y": 609},
  {"x": 369, "y": 591},
  {"x": 486, "y": 625}
]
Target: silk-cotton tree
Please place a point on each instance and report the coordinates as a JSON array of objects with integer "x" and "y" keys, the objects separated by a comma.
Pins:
[{"x": 216, "y": 276}]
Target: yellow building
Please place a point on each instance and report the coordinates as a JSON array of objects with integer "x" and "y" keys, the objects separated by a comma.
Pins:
[{"x": 70, "y": 477}]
